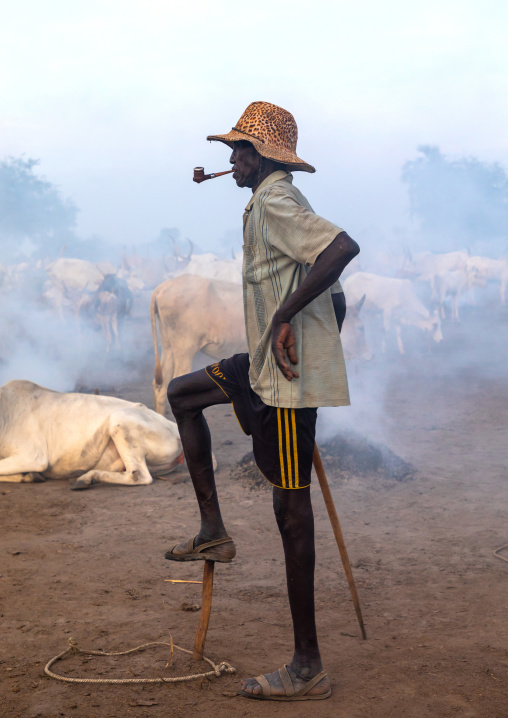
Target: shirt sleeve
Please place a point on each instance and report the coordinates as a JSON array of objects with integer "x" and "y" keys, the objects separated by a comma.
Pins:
[{"x": 295, "y": 230}]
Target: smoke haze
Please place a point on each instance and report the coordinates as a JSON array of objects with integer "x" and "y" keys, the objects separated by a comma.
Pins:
[{"x": 117, "y": 99}]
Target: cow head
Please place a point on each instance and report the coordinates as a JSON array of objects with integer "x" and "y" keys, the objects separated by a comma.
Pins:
[{"x": 476, "y": 272}]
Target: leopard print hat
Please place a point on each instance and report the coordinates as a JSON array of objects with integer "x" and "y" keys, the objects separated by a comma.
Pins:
[{"x": 272, "y": 131}]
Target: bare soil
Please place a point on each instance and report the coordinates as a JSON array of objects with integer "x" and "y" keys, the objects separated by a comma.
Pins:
[{"x": 91, "y": 566}]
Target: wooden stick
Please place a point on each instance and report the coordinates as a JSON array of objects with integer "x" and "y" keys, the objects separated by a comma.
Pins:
[
  {"x": 334, "y": 520},
  {"x": 206, "y": 607},
  {"x": 179, "y": 580}
]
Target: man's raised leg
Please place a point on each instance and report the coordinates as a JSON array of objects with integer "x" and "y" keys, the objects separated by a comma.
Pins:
[{"x": 188, "y": 395}]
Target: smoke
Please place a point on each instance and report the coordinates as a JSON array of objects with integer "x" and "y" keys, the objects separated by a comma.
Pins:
[
  {"x": 457, "y": 204},
  {"x": 64, "y": 354},
  {"x": 366, "y": 415}
]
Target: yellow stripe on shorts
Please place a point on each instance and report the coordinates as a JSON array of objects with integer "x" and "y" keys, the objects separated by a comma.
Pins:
[
  {"x": 295, "y": 449},
  {"x": 281, "y": 454},
  {"x": 288, "y": 449}
]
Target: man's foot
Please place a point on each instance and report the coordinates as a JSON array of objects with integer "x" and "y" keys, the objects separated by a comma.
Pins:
[
  {"x": 285, "y": 685},
  {"x": 221, "y": 549}
]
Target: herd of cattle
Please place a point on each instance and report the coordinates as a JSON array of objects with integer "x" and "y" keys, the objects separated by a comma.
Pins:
[{"x": 195, "y": 305}]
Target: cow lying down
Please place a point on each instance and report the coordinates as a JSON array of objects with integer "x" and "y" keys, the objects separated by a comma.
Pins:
[{"x": 45, "y": 434}]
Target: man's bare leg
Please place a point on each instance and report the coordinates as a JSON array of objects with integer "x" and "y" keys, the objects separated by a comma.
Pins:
[
  {"x": 188, "y": 395},
  {"x": 293, "y": 511}
]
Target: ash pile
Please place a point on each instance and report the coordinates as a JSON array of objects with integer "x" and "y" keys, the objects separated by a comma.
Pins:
[
  {"x": 248, "y": 473},
  {"x": 344, "y": 456},
  {"x": 350, "y": 454}
]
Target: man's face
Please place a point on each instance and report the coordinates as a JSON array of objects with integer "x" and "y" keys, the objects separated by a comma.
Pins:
[{"x": 245, "y": 161}]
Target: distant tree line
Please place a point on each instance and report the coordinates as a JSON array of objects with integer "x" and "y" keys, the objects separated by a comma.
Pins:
[
  {"x": 34, "y": 217},
  {"x": 458, "y": 202},
  {"x": 37, "y": 222}
]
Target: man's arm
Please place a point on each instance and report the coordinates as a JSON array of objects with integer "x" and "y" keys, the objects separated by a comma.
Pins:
[{"x": 326, "y": 270}]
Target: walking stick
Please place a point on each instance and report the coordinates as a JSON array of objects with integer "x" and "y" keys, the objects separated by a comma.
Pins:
[
  {"x": 334, "y": 520},
  {"x": 206, "y": 607},
  {"x": 199, "y": 642}
]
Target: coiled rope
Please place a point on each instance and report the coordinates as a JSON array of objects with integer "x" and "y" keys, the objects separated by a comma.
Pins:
[
  {"x": 497, "y": 550},
  {"x": 218, "y": 670}
]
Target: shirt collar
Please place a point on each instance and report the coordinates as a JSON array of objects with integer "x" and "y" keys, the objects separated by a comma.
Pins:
[{"x": 274, "y": 177}]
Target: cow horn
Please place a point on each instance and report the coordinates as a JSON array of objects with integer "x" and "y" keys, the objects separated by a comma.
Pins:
[
  {"x": 191, "y": 249},
  {"x": 355, "y": 308}
]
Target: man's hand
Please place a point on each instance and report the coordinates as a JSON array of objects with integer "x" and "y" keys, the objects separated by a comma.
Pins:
[
  {"x": 283, "y": 347},
  {"x": 326, "y": 270}
]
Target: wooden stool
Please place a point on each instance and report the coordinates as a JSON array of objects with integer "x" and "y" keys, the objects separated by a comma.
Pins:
[{"x": 206, "y": 607}]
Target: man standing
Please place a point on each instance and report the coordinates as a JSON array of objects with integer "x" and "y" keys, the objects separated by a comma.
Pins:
[{"x": 292, "y": 301}]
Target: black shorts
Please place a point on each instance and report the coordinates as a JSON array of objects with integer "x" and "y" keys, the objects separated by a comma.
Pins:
[{"x": 282, "y": 439}]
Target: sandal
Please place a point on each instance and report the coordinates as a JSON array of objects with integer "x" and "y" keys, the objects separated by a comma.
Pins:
[
  {"x": 302, "y": 694},
  {"x": 204, "y": 552}
]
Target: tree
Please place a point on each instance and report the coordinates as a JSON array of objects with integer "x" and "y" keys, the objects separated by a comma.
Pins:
[
  {"x": 459, "y": 203},
  {"x": 34, "y": 218}
]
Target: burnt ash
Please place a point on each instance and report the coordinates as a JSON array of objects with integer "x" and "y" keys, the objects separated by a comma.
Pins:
[
  {"x": 351, "y": 454},
  {"x": 248, "y": 474},
  {"x": 344, "y": 456}
]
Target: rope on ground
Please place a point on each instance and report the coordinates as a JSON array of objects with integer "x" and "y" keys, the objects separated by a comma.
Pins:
[
  {"x": 497, "y": 550},
  {"x": 218, "y": 670}
]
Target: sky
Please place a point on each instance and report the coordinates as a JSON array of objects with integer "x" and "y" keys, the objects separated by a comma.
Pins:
[{"x": 116, "y": 99}]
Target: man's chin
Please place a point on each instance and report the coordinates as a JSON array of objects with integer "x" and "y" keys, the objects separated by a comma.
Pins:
[{"x": 242, "y": 182}]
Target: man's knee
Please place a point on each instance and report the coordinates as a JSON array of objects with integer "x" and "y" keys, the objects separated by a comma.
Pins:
[
  {"x": 293, "y": 510},
  {"x": 177, "y": 394}
]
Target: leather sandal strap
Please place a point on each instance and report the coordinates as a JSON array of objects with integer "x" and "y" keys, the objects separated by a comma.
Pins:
[
  {"x": 211, "y": 544},
  {"x": 266, "y": 688},
  {"x": 286, "y": 681},
  {"x": 313, "y": 682}
]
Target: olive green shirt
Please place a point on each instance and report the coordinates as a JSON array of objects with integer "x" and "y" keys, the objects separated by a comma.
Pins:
[{"x": 282, "y": 239}]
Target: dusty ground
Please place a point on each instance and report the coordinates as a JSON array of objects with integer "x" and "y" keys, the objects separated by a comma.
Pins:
[{"x": 435, "y": 599}]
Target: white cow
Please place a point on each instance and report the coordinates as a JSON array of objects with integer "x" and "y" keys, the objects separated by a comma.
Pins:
[
  {"x": 143, "y": 272},
  {"x": 396, "y": 300},
  {"x": 453, "y": 284},
  {"x": 211, "y": 266},
  {"x": 195, "y": 314},
  {"x": 429, "y": 267},
  {"x": 68, "y": 280},
  {"x": 483, "y": 269},
  {"x": 93, "y": 439}
]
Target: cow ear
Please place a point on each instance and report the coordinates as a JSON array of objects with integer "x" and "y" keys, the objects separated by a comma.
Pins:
[{"x": 355, "y": 308}]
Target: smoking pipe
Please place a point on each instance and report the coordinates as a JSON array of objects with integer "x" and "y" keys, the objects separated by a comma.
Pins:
[{"x": 199, "y": 174}]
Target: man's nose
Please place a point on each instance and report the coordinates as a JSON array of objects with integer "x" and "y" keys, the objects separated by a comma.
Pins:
[{"x": 232, "y": 158}]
